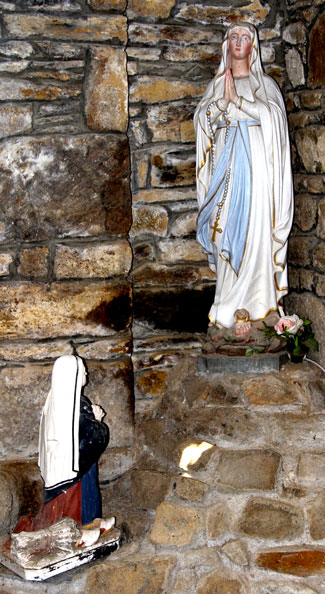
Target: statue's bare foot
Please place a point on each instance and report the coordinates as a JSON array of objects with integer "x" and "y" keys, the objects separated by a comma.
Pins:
[{"x": 242, "y": 328}]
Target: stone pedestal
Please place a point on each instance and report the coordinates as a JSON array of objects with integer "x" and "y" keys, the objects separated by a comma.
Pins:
[{"x": 254, "y": 364}]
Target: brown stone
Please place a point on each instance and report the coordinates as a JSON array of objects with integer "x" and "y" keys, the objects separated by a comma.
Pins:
[
  {"x": 253, "y": 469},
  {"x": 34, "y": 262},
  {"x": 319, "y": 256},
  {"x": 143, "y": 575},
  {"x": 92, "y": 28},
  {"x": 153, "y": 219},
  {"x": 21, "y": 490},
  {"x": 316, "y": 517},
  {"x": 255, "y": 12},
  {"x": 171, "y": 122},
  {"x": 273, "y": 390},
  {"x": 12, "y": 90},
  {"x": 286, "y": 587},
  {"x": 149, "y": 488},
  {"x": 154, "y": 9},
  {"x": 107, "y": 4},
  {"x": 321, "y": 219},
  {"x": 63, "y": 309},
  {"x": 159, "y": 274},
  {"x": 201, "y": 53},
  {"x": 11, "y": 351},
  {"x": 15, "y": 119},
  {"x": 237, "y": 552},
  {"x": 218, "y": 520},
  {"x": 110, "y": 385},
  {"x": 170, "y": 167},
  {"x": 170, "y": 34},
  {"x": 190, "y": 489},
  {"x": 311, "y": 99},
  {"x": 104, "y": 349},
  {"x": 107, "y": 90},
  {"x": 310, "y": 183},
  {"x": 145, "y": 54},
  {"x": 300, "y": 250},
  {"x": 102, "y": 261},
  {"x": 305, "y": 211},
  {"x": 156, "y": 90},
  {"x": 175, "y": 525},
  {"x": 164, "y": 195},
  {"x": 90, "y": 196},
  {"x": 267, "y": 518},
  {"x": 141, "y": 168},
  {"x": 22, "y": 389},
  {"x": 219, "y": 582},
  {"x": 180, "y": 250},
  {"x": 6, "y": 259},
  {"x": 307, "y": 279},
  {"x": 115, "y": 462},
  {"x": 184, "y": 582},
  {"x": 317, "y": 44},
  {"x": 310, "y": 144},
  {"x": 200, "y": 393},
  {"x": 296, "y": 562},
  {"x": 151, "y": 382},
  {"x": 311, "y": 468}
]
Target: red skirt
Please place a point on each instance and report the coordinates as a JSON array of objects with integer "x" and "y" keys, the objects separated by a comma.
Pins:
[{"x": 65, "y": 505}]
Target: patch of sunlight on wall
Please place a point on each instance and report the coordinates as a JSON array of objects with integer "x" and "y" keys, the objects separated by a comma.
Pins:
[{"x": 192, "y": 453}]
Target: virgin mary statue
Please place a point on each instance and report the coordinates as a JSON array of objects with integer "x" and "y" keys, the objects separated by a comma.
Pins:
[{"x": 244, "y": 183}]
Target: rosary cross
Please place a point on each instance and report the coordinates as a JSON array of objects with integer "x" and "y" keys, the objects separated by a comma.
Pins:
[{"x": 216, "y": 229}]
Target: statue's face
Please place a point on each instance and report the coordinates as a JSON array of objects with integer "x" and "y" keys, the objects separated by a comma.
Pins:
[{"x": 240, "y": 43}]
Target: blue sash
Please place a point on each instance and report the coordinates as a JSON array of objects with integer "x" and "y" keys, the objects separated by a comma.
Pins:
[{"x": 235, "y": 232}]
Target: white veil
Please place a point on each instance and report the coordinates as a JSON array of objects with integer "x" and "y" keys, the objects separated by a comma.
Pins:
[{"x": 59, "y": 428}]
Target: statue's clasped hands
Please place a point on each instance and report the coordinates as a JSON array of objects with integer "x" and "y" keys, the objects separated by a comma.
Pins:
[
  {"x": 230, "y": 94},
  {"x": 98, "y": 411}
]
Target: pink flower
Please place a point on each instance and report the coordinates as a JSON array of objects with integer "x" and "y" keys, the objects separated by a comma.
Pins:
[{"x": 289, "y": 324}]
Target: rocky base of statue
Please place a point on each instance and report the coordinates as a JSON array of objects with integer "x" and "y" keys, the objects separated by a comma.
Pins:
[
  {"x": 63, "y": 546},
  {"x": 244, "y": 338}
]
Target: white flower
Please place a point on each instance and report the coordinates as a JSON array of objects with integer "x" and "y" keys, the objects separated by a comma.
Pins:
[{"x": 290, "y": 324}]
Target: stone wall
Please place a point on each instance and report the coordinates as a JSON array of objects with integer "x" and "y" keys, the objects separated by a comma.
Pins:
[
  {"x": 96, "y": 104},
  {"x": 304, "y": 41},
  {"x": 65, "y": 214}
]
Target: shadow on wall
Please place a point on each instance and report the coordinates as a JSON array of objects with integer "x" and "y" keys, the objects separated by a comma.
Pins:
[{"x": 179, "y": 310}]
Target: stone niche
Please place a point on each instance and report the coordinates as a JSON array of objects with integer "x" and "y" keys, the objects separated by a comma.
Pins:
[{"x": 98, "y": 254}]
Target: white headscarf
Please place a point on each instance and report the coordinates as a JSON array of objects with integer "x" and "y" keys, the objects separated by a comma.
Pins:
[{"x": 59, "y": 429}]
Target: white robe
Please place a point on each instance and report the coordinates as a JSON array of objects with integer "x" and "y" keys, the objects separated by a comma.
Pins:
[{"x": 261, "y": 282}]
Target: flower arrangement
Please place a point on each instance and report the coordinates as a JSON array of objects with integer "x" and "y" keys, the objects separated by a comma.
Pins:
[{"x": 297, "y": 332}]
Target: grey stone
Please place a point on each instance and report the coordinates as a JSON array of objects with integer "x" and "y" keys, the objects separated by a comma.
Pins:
[
  {"x": 295, "y": 33},
  {"x": 253, "y": 469},
  {"x": 74, "y": 199},
  {"x": 22, "y": 389},
  {"x": 270, "y": 519},
  {"x": 110, "y": 385},
  {"x": 39, "y": 310},
  {"x": 311, "y": 148},
  {"x": 259, "y": 364},
  {"x": 17, "y": 49},
  {"x": 295, "y": 68},
  {"x": 17, "y": 90},
  {"x": 92, "y": 28}
]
